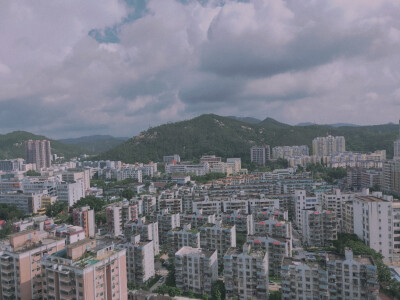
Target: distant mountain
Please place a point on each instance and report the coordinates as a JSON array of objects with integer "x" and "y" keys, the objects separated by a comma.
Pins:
[
  {"x": 12, "y": 145},
  {"x": 227, "y": 137},
  {"x": 332, "y": 125},
  {"x": 245, "y": 119},
  {"x": 95, "y": 143}
]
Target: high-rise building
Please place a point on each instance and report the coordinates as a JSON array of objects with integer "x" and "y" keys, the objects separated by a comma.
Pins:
[
  {"x": 139, "y": 260},
  {"x": 319, "y": 228},
  {"x": 148, "y": 232},
  {"x": 166, "y": 222},
  {"x": 333, "y": 277},
  {"x": 246, "y": 273},
  {"x": 84, "y": 216},
  {"x": 330, "y": 145},
  {"x": 218, "y": 236},
  {"x": 181, "y": 237},
  {"x": 87, "y": 269},
  {"x": 373, "y": 223},
  {"x": 196, "y": 269},
  {"x": 20, "y": 264},
  {"x": 396, "y": 154},
  {"x": 39, "y": 153},
  {"x": 260, "y": 154},
  {"x": 118, "y": 215}
]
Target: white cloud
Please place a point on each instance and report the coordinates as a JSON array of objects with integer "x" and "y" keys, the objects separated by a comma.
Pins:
[{"x": 324, "y": 61}]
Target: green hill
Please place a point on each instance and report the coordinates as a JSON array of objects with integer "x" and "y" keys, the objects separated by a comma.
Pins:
[
  {"x": 227, "y": 137},
  {"x": 95, "y": 143},
  {"x": 12, "y": 145}
]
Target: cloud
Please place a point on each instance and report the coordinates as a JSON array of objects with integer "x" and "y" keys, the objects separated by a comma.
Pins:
[{"x": 77, "y": 68}]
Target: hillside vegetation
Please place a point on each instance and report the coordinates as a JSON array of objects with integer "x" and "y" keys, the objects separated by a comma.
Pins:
[
  {"x": 227, "y": 137},
  {"x": 12, "y": 145},
  {"x": 96, "y": 143}
]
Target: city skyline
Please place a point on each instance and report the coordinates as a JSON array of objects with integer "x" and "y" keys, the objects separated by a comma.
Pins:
[{"x": 77, "y": 69}]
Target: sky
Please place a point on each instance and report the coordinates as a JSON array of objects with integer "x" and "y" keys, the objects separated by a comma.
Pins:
[{"x": 75, "y": 68}]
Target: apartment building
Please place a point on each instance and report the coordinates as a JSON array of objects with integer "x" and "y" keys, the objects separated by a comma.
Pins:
[
  {"x": 139, "y": 260},
  {"x": 260, "y": 154},
  {"x": 180, "y": 237},
  {"x": 129, "y": 173},
  {"x": 196, "y": 269},
  {"x": 276, "y": 248},
  {"x": 197, "y": 219},
  {"x": 207, "y": 206},
  {"x": 373, "y": 223},
  {"x": 88, "y": 269},
  {"x": 166, "y": 222},
  {"x": 334, "y": 277},
  {"x": 220, "y": 237},
  {"x": 149, "y": 204},
  {"x": 273, "y": 228},
  {"x": 246, "y": 273},
  {"x": 20, "y": 264},
  {"x": 148, "y": 231},
  {"x": 391, "y": 176},
  {"x": 319, "y": 228},
  {"x": 174, "y": 205},
  {"x": 211, "y": 160},
  {"x": 118, "y": 215},
  {"x": 334, "y": 201},
  {"x": 244, "y": 222},
  {"x": 290, "y": 151},
  {"x": 28, "y": 203},
  {"x": 371, "y": 178},
  {"x": 84, "y": 216},
  {"x": 73, "y": 175},
  {"x": 302, "y": 201},
  {"x": 39, "y": 153},
  {"x": 70, "y": 233},
  {"x": 198, "y": 169},
  {"x": 330, "y": 145},
  {"x": 348, "y": 217},
  {"x": 171, "y": 158},
  {"x": 70, "y": 192}
]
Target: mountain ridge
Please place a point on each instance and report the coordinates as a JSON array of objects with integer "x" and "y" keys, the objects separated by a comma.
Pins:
[{"x": 227, "y": 137}]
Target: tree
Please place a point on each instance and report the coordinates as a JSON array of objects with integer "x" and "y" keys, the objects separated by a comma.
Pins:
[
  {"x": 128, "y": 194},
  {"x": 53, "y": 210},
  {"x": 95, "y": 203},
  {"x": 10, "y": 212},
  {"x": 218, "y": 290},
  {"x": 32, "y": 173}
]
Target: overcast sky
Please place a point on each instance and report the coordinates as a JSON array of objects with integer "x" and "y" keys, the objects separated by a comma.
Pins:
[{"x": 73, "y": 68}]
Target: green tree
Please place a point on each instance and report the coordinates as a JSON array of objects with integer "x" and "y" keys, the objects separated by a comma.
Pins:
[
  {"x": 10, "y": 212},
  {"x": 128, "y": 194},
  {"x": 32, "y": 173},
  {"x": 218, "y": 290},
  {"x": 95, "y": 203},
  {"x": 55, "y": 209}
]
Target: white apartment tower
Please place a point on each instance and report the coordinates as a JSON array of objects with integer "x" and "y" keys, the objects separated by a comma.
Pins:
[
  {"x": 373, "y": 224},
  {"x": 330, "y": 145}
]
